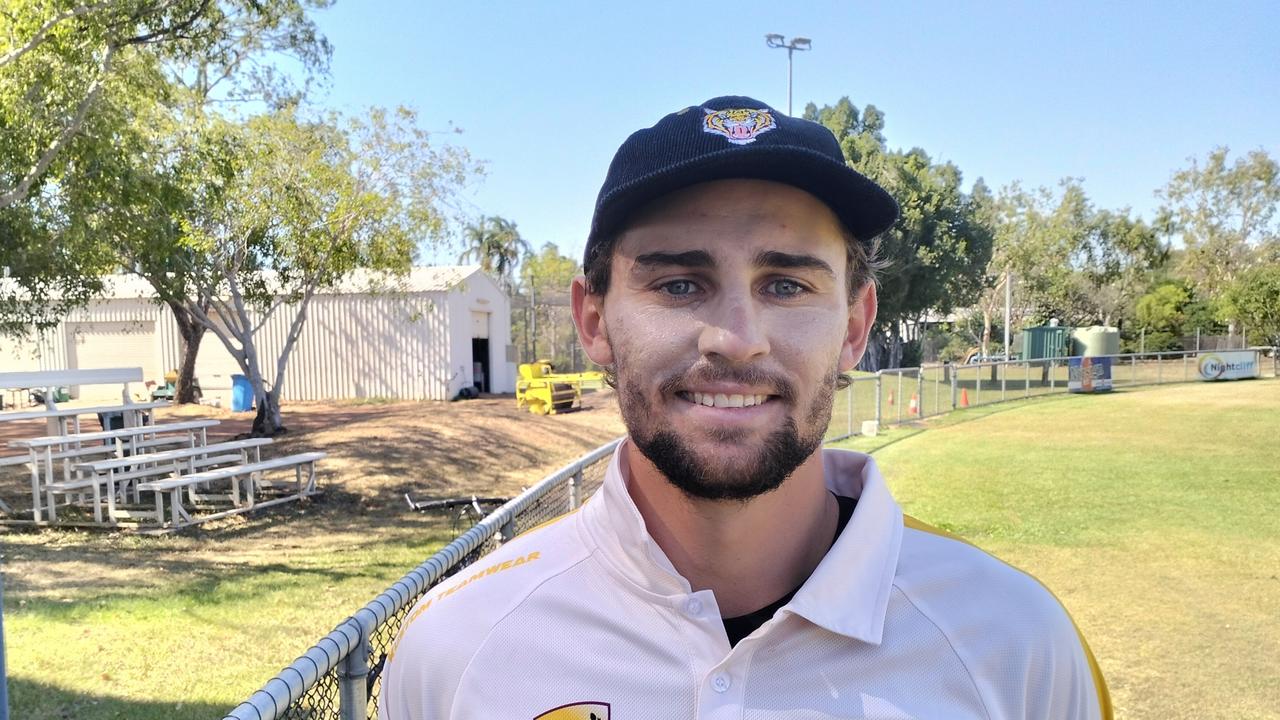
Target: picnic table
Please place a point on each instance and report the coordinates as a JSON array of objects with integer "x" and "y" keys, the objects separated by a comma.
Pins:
[
  {"x": 134, "y": 414},
  {"x": 44, "y": 450},
  {"x": 116, "y": 475}
]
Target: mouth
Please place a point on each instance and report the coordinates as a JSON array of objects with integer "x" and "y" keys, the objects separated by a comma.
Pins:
[{"x": 724, "y": 400}]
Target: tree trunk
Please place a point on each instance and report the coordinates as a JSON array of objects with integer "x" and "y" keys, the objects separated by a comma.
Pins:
[
  {"x": 192, "y": 332},
  {"x": 268, "y": 421}
]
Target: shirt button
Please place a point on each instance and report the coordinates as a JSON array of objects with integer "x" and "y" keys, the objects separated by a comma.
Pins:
[
  {"x": 721, "y": 682},
  {"x": 694, "y": 606}
]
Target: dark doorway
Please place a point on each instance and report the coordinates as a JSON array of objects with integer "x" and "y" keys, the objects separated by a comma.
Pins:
[{"x": 480, "y": 363}]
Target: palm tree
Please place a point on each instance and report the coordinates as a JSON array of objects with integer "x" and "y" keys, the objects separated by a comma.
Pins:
[{"x": 495, "y": 243}]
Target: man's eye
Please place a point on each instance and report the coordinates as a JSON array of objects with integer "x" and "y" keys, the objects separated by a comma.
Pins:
[
  {"x": 784, "y": 288},
  {"x": 679, "y": 288}
]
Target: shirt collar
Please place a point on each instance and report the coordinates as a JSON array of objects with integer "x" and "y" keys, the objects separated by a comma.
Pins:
[{"x": 848, "y": 593}]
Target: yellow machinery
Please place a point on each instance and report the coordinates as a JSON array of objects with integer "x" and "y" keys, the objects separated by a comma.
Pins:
[{"x": 546, "y": 392}]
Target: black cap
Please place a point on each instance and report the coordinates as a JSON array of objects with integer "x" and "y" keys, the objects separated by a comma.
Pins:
[{"x": 736, "y": 137}]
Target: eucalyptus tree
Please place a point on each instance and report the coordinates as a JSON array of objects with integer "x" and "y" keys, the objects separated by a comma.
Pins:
[{"x": 296, "y": 205}]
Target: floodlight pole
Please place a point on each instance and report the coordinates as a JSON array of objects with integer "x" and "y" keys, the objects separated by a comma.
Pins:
[{"x": 775, "y": 40}]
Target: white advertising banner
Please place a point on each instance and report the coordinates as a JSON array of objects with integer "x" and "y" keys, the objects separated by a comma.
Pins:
[{"x": 1228, "y": 365}]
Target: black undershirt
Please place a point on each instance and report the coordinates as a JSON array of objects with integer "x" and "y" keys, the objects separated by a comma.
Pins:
[{"x": 743, "y": 625}]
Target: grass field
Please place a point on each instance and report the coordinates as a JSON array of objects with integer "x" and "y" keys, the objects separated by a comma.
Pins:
[{"x": 1152, "y": 514}]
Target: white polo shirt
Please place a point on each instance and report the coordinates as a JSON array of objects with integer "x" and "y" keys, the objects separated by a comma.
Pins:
[{"x": 586, "y": 618}]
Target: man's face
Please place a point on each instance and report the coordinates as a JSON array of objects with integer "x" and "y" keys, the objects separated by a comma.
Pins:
[{"x": 726, "y": 320}]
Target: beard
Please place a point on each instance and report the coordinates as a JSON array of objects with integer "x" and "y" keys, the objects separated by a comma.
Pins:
[{"x": 714, "y": 478}]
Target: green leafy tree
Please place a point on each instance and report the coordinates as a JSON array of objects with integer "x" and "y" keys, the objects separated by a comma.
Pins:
[
  {"x": 495, "y": 244},
  {"x": 937, "y": 251},
  {"x": 301, "y": 204},
  {"x": 541, "y": 316},
  {"x": 1224, "y": 214},
  {"x": 1162, "y": 315},
  {"x": 1253, "y": 299},
  {"x": 86, "y": 89}
]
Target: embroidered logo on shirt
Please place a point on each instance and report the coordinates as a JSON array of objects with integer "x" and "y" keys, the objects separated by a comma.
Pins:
[
  {"x": 738, "y": 125},
  {"x": 591, "y": 710}
]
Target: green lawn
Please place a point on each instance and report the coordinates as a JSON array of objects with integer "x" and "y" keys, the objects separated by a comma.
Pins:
[
  {"x": 1151, "y": 513},
  {"x": 177, "y": 628}
]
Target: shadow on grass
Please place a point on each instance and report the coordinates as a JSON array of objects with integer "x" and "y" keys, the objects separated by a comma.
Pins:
[{"x": 31, "y": 700}]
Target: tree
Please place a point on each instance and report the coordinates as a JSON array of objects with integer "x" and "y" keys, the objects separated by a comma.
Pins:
[
  {"x": 61, "y": 61},
  {"x": 1162, "y": 314},
  {"x": 542, "y": 315},
  {"x": 495, "y": 244},
  {"x": 87, "y": 95},
  {"x": 1223, "y": 214},
  {"x": 1254, "y": 300},
  {"x": 300, "y": 205},
  {"x": 937, "y": 250}
]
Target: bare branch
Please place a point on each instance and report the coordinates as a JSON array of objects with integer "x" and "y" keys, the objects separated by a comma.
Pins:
[
  {"x": 19, "y": 192},
  {"x": 49, "y": 25},
  {"x": 172, "y": 30}
]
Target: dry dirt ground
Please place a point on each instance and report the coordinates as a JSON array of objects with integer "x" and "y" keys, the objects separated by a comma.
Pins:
[{"x": 377, "y": 453}]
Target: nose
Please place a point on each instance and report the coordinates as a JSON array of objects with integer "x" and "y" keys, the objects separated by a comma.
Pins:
[{"x": 734, "y": 331}]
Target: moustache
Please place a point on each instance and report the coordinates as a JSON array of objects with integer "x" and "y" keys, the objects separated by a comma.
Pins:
[{"x": 739, "y": 375}]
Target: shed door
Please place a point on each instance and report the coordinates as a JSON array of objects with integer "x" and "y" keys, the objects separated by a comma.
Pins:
[{"x": 113, "y": 345}]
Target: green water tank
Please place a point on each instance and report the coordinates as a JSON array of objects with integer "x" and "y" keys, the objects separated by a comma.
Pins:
[
  {"x": 1046, "y": 341},
  {"x": 1095, "y": 341}
]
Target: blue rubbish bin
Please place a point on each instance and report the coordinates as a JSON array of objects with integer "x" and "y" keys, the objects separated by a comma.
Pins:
[{"x": 241, "y": 394}]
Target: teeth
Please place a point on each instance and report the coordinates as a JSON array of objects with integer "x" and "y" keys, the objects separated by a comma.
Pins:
[{"x": 722, "y": 400}]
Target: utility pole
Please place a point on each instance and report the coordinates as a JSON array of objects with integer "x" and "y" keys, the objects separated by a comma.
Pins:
[{"x": 774, "y": 40}]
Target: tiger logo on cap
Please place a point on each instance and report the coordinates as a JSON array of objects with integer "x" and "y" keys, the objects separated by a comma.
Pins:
[{"x": 739, "y": 126}]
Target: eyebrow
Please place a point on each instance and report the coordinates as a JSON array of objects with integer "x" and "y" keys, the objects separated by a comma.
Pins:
[
  {"x": 776, "y": 259},
  {"x": 703, "y": 259},
  {"x": 691, "y": 258}
]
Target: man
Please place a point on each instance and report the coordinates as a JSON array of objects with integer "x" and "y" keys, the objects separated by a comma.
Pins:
[{"x": 728, "y": 567}]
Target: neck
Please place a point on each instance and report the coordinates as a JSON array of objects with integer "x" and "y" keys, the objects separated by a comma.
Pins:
[{"x": 748, "y": 553}]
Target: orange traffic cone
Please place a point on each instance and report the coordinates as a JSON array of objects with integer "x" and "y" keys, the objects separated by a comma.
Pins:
[
  {"x": 914, "y": 407},
  {"x": 890, "y": 397},
  {"x": 964, "y": 397}
]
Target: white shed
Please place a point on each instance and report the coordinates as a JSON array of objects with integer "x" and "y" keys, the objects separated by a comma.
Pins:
[{"x": 441, "y": 329}]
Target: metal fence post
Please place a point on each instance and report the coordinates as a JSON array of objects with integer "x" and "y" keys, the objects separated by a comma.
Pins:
[
  {"x": 1004, "y": 376},
  {"x": 954, "y": 385},
  {"x": 849, "y": 390},
  {"x": 508, "y": 531},
  {"x": 920, "y": 392},
  {"x": 575, "y": 489},
  {"x": 898, "y": 405},
  {"x": 1133, "y": 369},
  {"x": 879, "y": 402},
  {"x": 353, "y": 674},
  {"x": 1026, "y": 379},
  {"x": 977, "y": 391}
]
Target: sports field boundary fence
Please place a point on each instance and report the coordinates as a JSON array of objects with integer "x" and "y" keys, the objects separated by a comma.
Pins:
[{"x": 338, "y": 678}]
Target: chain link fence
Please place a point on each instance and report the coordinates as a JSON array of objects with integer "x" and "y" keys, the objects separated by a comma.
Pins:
[
  {"x": 892, "y": 397},
  {"x": 339, "y": 677}
]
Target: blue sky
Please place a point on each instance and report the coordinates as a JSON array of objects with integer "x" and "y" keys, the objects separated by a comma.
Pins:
[{"x": 1119, "y": 94}]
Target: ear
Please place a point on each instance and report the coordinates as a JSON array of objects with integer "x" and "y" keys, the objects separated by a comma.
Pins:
[
  {"x": 588, "y": 317},
  {"x": 862, "y": 315}
]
